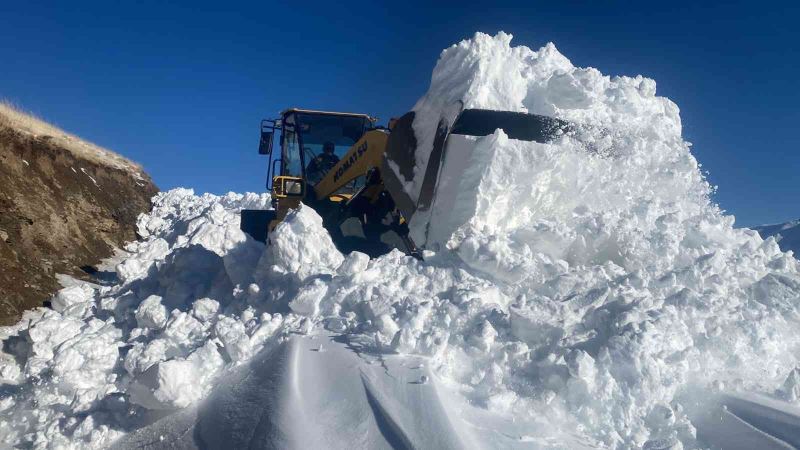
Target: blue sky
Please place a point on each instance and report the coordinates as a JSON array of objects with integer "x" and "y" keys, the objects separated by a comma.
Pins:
[{"x": 182, "y": 88}]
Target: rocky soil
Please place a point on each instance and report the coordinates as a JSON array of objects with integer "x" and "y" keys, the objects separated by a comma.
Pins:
[{"x": 65, "y": 204}]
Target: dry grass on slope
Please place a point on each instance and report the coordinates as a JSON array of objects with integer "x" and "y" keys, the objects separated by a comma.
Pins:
[
  {"x": 65, "y": 204},
  {"x": 14, "y": 118}
]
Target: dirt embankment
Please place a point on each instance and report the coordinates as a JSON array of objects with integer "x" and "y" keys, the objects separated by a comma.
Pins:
[{"x": 64, "y": 205}]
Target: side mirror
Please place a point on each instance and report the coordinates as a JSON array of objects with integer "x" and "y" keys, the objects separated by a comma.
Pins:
[
  {"x": 265, "y": 145},
  {"x": 267, "y": 131}
]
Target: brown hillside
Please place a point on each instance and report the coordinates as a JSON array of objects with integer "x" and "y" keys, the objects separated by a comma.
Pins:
[{"x": 64, "y": 205}]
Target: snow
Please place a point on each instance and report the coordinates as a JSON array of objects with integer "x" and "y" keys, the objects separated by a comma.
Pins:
[
  {"x": 90, "y": 177},
  {"x": 72, "y": 296},
  {"x": 151, "y": 313},
  {"x": 786, "y": 234},
  {"x": 315, "y": 399},
  {"x": 580, "y": 294}
]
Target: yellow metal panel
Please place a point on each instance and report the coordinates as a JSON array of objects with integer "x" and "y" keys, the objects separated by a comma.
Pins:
[
  {"x": 279, "y": 186},
  {"x": 337, "y": 198},
  {"x": 285, "y": 201},
  {"x": 362, "y": 156}
]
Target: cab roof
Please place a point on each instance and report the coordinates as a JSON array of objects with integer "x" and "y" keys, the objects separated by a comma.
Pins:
[{"x": 329, "y": 113}]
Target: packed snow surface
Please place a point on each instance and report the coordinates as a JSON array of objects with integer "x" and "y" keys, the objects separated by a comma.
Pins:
[{"x": 582, "y": 293}]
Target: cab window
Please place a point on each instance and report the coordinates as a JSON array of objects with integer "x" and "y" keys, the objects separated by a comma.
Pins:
[
  {"x": 292, "y": 162},
  {"x": 319, "y": 129},
  {"x": 353, "y": 186}
]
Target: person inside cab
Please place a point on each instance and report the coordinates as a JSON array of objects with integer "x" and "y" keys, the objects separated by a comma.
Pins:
[{"x": 324, "y": 162}]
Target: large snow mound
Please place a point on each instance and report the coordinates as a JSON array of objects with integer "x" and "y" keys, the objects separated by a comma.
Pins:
[
  {"x": 488, "y": 73},
  {"x": 588, "y": 286}
]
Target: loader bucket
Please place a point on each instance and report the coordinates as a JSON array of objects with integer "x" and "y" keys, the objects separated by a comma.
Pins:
[
  {"x": 255, "y": 222},
  {"x": 401, "y": 152}
]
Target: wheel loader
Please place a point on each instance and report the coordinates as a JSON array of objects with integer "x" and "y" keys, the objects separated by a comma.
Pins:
[{"x": 356, "y": 175}]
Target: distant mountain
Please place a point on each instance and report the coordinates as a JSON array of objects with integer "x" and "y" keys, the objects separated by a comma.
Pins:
[{"x": 787, "y": 234}]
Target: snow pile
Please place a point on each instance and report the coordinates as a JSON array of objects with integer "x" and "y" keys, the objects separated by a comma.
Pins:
[
  {"x": 629, "y": 285},
  {"x": 787, "y": 234},
  {"x": 586, "y": 287},
  {"x": 84, "y": 371}
]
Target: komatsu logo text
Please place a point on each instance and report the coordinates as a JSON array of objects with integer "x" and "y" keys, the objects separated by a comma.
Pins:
[{"x": 348, "y": 163}]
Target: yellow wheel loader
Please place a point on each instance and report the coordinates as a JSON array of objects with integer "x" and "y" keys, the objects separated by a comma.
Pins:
[{"x": 356, "y": 175}]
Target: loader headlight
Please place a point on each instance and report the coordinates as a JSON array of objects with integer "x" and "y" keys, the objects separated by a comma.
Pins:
[
  {"x": 293, "y": 188},
  {"x": 286, "y": 186}
]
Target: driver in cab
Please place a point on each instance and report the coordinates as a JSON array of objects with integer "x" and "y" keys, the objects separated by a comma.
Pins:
[{"x": 320, "y": 165}]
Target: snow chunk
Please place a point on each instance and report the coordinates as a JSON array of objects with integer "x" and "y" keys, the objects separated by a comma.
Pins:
[
  {"x": 354, "y": 263},
  {"x": 73, "y": 295},
  {"x": 178, "y": 383},
  {"x": 235, "y": 342},
  {"x": 146, "y": 255},
  {"x": 307, "y": 301},
  {"x": 151, "y": 313},
  {"x": 301, "y": 246},
  {"x": 205, "y": 309}
]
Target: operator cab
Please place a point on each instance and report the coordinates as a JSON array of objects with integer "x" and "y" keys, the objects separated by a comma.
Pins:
[
  {"x": 307, "y": 137},
  {"x": 311, "y": 143}
]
